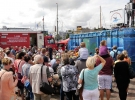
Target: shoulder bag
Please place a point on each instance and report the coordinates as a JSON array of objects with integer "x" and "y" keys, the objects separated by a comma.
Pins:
[
  {"x": 131, "y": 73},
  {"x": 45, "y": 87},
  {"x": 80, "y": 86}
]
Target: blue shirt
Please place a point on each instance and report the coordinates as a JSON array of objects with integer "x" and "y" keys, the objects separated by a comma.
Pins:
[
  {"x": 112, "y": 53},
  {"x": 90, "y": 77}
]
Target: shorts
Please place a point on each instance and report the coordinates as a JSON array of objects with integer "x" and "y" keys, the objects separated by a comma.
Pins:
[
  {"x": 90, "y": 94},
  {"x": 104, "y": 81}
]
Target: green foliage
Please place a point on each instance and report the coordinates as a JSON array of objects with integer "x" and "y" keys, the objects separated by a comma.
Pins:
[
  {"x": 67, "y": 36},
  {"x": 58, "y": 37}
]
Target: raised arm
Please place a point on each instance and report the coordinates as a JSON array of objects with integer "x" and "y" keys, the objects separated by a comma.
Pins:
[{"x": 101, "y": 59}]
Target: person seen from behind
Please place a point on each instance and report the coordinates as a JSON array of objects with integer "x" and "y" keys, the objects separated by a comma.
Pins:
[
  {"x": 114, "y": 53},
  {"x": 103, "y": 50},
  {"x": 25, "y": 74},
  {"x": 121, "y": 74},
  {"x": 105, "y": 74},
  {"x": 55, "y": 65},
  {"x": 35, "y": 78},
  {"x": 7, "y": 80},
  {"x": 83, "y": 51},
  {"x": 69, "y": 79},
  {"x": 90, "y": 89}
]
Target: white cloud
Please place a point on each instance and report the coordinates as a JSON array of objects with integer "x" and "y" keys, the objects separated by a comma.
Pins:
[{"x": 25, "y": 13}]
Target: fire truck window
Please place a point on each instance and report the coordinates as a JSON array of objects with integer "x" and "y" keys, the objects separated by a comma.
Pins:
[{"x": 50, "y": 41}]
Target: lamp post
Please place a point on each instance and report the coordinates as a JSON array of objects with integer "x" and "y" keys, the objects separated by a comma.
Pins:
[{"x": 57, "y": 22}]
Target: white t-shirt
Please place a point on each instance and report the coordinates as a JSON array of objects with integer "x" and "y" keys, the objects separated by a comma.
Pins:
[
  {"x": 60, "y": 50},
  {"x": 84, "y": 53}
]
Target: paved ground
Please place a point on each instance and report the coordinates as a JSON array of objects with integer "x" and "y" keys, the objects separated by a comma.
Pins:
[{"x": 114, "y": 95}]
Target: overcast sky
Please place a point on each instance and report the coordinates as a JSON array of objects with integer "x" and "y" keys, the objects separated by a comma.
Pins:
[{"x": 72, "y": 13}]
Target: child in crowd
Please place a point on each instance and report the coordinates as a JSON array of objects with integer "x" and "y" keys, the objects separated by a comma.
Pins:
[
  {"x": 83, "y": 51},
  {"x": 103, "y": 50}
]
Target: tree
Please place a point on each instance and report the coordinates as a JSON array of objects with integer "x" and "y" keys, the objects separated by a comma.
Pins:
[
  {"x": 58, "y": 37},
  {"x": 67, "y": 35}
]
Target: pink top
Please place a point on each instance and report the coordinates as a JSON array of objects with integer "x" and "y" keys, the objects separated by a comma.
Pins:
[
  {"x": 16, "y": 63},
  {"x": 103, "y": 50},
  {"x": 7, "y": 84}
]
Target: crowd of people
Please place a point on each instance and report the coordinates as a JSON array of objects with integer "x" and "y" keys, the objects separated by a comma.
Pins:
[{"x": 81, "y": 75}]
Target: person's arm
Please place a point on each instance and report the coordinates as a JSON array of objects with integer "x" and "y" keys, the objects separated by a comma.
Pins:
[
  {"x": 129, "y": 61},
  {"x": 12, "y": 83},
  {"x": 115, "y": 70},
  {"x": 101, "y": 59},
  {"x": 81, "y": 77}
]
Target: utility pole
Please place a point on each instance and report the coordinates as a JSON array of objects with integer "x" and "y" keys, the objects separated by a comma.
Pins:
[
  {"x": 43, "y": 24},
  {"x": 100, "y": 18},
  {"x": 57, "y": 22},
  {"x": 62, "y": 30}
]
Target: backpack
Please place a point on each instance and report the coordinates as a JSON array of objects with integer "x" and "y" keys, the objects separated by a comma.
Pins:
[{"x": 115, "y": 55}]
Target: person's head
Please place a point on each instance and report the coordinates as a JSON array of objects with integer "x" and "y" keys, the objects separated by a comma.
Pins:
[
  {"x": 12, "y": 47},
  {"x": 103, "y": 43},
  {"x": 97, "y": 50},
  {"x": 38, "y": 59},
  {"x": 43, "y": 50},
  {"x": 27, "y": 58},
  {"x": 53, "y": 56},
  {"x": 58, "y": 60},
  {"x": 39, "y": 49},
  {"x": 8, "y": 53},
  {"x": 66, "y": 50},
  {"x": 29, "y": 47},
  {"x": 65, "y": 60},
  {"x": 90, "y": 62},
  {"x": 82, "y": 44},
  {"x": 71, "y": 62},
  {"x": 21, "y": 55},
  {"x": 24, "y": 47},
  {"x": 47, "y": 53},
  {"x": 114, "y": 47},
  {"x": 120, "y": 56},
  {"x": 60, "y": 48},
  {"x": 125, "y": 53},
  {"x": 6, "y": 63}
]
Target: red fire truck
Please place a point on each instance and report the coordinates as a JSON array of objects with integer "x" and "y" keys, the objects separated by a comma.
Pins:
[{"x": 25, "y": 38}]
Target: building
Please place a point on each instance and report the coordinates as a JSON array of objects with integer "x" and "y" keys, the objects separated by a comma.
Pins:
[{"x": 79, "y": 29}]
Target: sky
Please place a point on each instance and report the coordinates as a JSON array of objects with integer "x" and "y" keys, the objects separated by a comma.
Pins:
[{"x": 71, "y": 13}]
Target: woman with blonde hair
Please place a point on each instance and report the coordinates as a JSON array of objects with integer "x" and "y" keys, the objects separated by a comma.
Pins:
[
  {"x": 7, "y": 80},
  {"x": 89, "y": 76},
  {"x": 126, "y": 58}
]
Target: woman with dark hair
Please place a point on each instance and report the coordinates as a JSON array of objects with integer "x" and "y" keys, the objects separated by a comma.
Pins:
[
  {"x": 25, "y": 73},
  {"x": 121, "y": 74},
  {"x": 69, "y": 79},
  {"x": 18, "y": 63}
]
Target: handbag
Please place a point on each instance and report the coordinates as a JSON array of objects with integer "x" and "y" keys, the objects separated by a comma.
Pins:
[
  {"x": 80, "y": 86},
  {"x": 45, "y": 87},
  {"x": 131, "y": 73}
]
